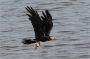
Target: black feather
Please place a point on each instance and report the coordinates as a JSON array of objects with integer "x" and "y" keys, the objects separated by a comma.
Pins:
[{"x": 42, "y": 24}]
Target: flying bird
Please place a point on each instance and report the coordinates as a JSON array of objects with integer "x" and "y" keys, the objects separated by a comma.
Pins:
[{"x": 42, "y": 26}]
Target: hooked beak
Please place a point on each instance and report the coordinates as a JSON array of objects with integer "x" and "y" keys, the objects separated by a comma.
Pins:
[{"x": 51, "y": 37}]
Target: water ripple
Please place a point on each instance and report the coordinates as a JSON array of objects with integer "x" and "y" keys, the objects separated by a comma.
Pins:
[{"x": 71, "y": 28}]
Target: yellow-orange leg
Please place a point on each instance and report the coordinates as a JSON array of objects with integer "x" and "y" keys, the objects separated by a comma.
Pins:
[{"x": 37, "y": 44}]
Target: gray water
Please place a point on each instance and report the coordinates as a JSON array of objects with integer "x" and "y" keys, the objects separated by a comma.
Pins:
[{"x": 71, "y": 29}]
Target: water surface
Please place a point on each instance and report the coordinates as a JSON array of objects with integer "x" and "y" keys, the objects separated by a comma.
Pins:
[{"x": 71, "y": 29}]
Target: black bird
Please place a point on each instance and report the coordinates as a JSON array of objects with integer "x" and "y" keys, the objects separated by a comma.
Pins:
[{"x": 42, "y": 26}]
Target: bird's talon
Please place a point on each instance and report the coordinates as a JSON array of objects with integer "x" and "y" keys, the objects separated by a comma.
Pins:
[{"x": 37, "y": 44}]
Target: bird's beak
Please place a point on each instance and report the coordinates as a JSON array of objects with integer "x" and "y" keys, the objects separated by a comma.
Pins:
[
  {"x": 37, "y": 44},
  {"x": 51, "y": 37}
]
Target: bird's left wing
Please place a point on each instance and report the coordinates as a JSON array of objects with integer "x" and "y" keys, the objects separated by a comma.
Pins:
[{"x": 36, "y": 21}]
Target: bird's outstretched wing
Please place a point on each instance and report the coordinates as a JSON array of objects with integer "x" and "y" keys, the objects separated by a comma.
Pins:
[
  {"x": 36, "y": 21},
  {"x": 47, "y": 22}
]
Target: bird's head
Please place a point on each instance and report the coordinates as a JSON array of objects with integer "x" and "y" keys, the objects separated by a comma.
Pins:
[{"x": 51, "y": 37}]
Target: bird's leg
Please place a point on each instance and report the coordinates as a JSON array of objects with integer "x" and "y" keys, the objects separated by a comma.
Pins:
[{"x": 37, "y": 44}]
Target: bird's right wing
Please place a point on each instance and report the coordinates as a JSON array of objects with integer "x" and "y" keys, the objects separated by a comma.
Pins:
[
  {"x": 47, "y": 22},
  {"x": 36, "y": 21}
]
